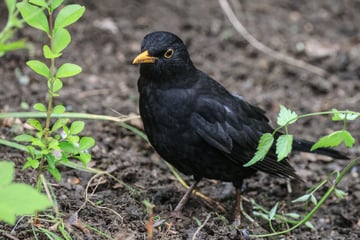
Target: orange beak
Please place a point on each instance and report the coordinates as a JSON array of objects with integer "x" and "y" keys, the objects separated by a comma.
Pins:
[{"x": 144, "y": 57}]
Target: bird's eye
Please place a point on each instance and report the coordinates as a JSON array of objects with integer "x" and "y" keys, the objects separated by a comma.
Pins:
[{"x": 169, "y": 53}]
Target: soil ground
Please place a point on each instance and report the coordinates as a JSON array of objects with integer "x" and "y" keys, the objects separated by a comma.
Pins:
[{"x": 104, "y": 42}]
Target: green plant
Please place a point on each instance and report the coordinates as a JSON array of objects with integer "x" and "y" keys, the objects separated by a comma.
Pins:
[
  {"x": 53, "y": 142},
  {"x": 13, "y": 23},
  {"x": 283, "y": 144},
  {"x": 58, "y": 142},
  {"x": 287, "y": 117},
  {"x": 17, "y": 198}
]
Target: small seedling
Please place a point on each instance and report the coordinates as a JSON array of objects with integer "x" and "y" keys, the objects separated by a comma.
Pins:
[{"x": 53, "y": 143}]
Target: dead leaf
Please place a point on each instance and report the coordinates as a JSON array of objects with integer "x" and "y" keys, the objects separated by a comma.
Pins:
[{"x": 317, "y": 49}]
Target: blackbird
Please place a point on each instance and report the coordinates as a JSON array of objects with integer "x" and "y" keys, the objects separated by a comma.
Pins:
[{"x": 198, "y": 126}]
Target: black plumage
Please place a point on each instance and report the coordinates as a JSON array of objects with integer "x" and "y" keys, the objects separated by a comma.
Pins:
[{"x": 195, "y": 124}]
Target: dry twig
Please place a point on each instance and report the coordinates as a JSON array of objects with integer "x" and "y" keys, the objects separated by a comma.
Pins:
[
  {"x": 261, "y": 47},
  {"x": 202, "y": 226}
]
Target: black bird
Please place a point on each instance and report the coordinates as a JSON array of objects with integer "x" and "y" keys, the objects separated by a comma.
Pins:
[{"x": 195, "y": 124}]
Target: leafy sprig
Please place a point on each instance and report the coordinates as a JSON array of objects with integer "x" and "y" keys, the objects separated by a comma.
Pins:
[
  {"x": 284, "y": 141},
  {"x": 55, "y": 142}
]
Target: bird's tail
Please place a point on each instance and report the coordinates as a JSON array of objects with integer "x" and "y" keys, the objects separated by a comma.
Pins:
[{"x": 305, "y": 146}]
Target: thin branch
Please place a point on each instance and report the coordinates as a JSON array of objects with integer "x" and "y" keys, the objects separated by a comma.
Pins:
[
  {"x": 87, "y": 196},
  {"x": 201, "y": 227},
  {"x": 261, "y": 47}
]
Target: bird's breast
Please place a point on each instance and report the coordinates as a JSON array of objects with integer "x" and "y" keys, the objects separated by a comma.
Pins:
[{"x": 165, "y": 112}]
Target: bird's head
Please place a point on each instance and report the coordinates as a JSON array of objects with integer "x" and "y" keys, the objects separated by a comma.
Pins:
[{"x": 163, "y": 56}]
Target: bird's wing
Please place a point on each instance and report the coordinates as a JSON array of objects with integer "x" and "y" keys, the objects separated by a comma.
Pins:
[
  {"x": 234, "y": 127},
  {"x": 223, "y": 121}
]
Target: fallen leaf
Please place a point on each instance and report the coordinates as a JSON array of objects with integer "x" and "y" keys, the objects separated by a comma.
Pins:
[{"x": 317, "y": 49}]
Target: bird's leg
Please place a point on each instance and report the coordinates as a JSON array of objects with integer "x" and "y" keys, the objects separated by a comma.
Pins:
[
  {"x": 176, "y": 213},
  {"x": 237, "y": 211},
  {"x": 185, "y": 198}
]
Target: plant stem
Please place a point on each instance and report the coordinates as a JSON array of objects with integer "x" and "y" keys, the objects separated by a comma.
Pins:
[
  {"x": 120, "y": 119},
  {"x": 51, "y": 80},
  {"x": 306, "y": 116},
  {"x": 48, "y": 112},
  {"x": 343, "y": 172}
]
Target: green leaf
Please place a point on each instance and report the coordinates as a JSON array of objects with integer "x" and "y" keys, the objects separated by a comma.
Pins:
[
  {"x": 84, "y": 158},
  {"x": 48, "y": 53},
  {"x": 273, "y": 211},
  {"x": 68, "y": 70},
  {"x": 35, "y": 124},
  {"x": 335, "y": 139},
  {"x": 16, "y": 198},
  {"x": 302, "y": 198},
  {"x": 313, "y": 199},
  {"x": 39, "y": 67},
  {"x": 309, "y": 225},
  {"x": 55, "y": 3},
  {"x": 340, "y": 193},
  {"x": 59, "y": 124},
  {"x": 40, "y": 107},
  {"x": 67, "y": 147},
  {"x": 284, "y": 146},
  {"x": 286, "y": 116},
  {"x": 38, "y": 142},
  {"x": 265, "y": 144},
  {"x": 58, "y": 109},
  {"x": 293, "y": 215},
  {"x": 10, "y": 4},
  {"x": 20, "y": 199},
  {"x": 57, "y": 85},
  {"x": 53, "y": 144},
  {"x": 24, "y": 138},
  {"x": 68, "y": 15},
  {"x": 262, "y": 215},
  {"x": 34, "y": 16},
  {"x": 55, "y": 173},
  {"x": 31, "y": 150},
  {"x": 62, "y": 38},
  {"x": 347, "y": 115},
  {"x": 86, "y": 143},
  {"x": 6, "y": 172},
  {"x": 31, "y": 162},
  {"x": 12, "y": 46},
  {"x": 77, "y": 127},
  {"x": 24, "y": 105},
  {"x": 40, "y": 3},
  {"x": 51, "y": 161},
  {"x": 74, "y": 139}
]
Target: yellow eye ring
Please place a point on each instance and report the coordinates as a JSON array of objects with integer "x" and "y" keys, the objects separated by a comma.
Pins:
[{"x": 169, "y": 53}]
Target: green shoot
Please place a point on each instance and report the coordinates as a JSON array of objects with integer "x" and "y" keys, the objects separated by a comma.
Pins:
[
  {"x": 284, "y": 141},
  {"x": 53, "y": 143}
]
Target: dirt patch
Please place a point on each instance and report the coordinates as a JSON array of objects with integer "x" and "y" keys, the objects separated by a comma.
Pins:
[{"x": 105, "y": 41}]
